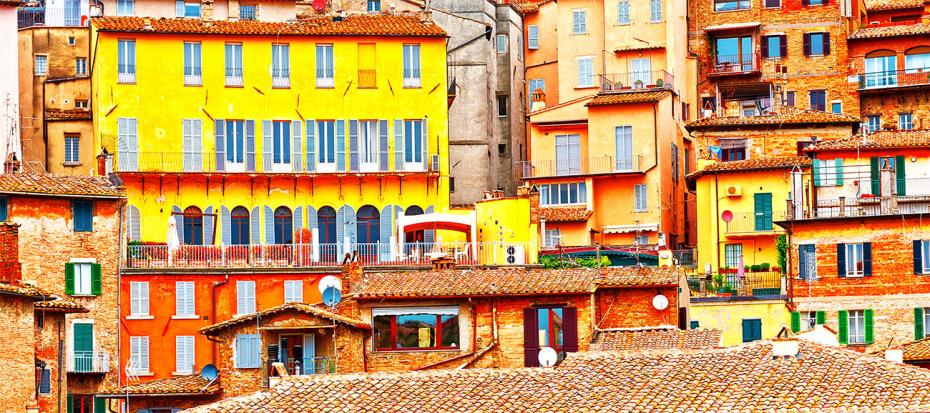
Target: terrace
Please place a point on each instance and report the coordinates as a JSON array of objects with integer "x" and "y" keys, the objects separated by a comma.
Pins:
[
  {"x": 638, "y": 81},
  {"x": 730, "y": 285},
  {"x": 600, "y": 165}
]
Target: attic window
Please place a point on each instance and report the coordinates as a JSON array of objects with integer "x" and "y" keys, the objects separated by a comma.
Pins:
[{"x": 416, "y": 328}]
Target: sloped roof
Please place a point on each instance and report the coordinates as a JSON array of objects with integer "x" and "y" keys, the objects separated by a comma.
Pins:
[
  {"x": 788, "y": 117},
  {"x": 917, "y": 350},
  {"x": 59, "y": 185},
  {"x": 745, "y": 378},
  {"x": 565, "y": 214},
  {"x": 877, "y": 140},
  {"x": 873, "y": 32},
  {"x": 28, "y": 291},
  {"x": 879, "y": 5},
  {"x": 507, "y": 281},
  {"x": 628, "y": 97},
  {"x": 189, "y": 385},
  {"x": 299, "y": 307},
  {"x": 374, "y": 24},
  {"x": 650, "y": 339},
  {"x": 761, "y": 163},
  {"x": 62, "y": 305}
]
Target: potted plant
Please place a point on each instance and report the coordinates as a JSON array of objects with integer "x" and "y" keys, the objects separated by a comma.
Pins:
[
  {"x": 765, "y": 267},
  {"x": 660, "y": 83},
  {"x": 755, "y": 268},
  {"x": 638, "y": 84}
]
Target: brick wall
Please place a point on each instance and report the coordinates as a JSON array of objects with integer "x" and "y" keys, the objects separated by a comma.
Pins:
[
  {"x": 49, "y": 329},
  {"x": 10, "y": 268},
  {"x": 632, "y": 307},
  {"x": 775, "y": 142},
  {"x": 893, "y": 315},
  {"x": 17, "y": 345}
]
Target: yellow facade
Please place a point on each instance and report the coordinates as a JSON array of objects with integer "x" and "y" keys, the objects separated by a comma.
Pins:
[{"x": 728, "y": 316}]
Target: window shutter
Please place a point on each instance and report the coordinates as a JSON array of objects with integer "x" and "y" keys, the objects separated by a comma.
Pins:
[
  {"x": 765, "y": 46},
  {"x": 918, "y": 257},
  {"x": 826, "y": 43},
  {"x": 816, "y": 171},
  {"x": 340, "y": 230},
  {"x": 96, "y": 279},
  {"x": 821, "y": 317},
  {"x": 353, "y": 145},
  {"x": 351, "y": 225},
  {"x": 341, "y": 145},
  {"x": 429, "y": 235},
  {"x": 867, "y": 259},
  {"x": 839, "y": 171},
  {"x": 255, "y": 236},
  {"x": 843, "y": 326},
  {"x": 69, "y": 278},
  {"x": 398, "y": 145},
  {"x": 179, "y": 8},
  {"x": 100, "y": 405},
  {"x": 240, "y": 351},
  {"x": 69, "y": 404},
  {"x": 918, "y": 323},
  {"x": 875, "y": 177},
  {"x": 802, "y": 262},
  {"x": 197, "y": 145},
  {"x": 383, "y": 145},
  {"x": 386, "y": 229},
  {"x": 899, "y": 175},
  {"x": 208, "y": 223},
  {"x": 179, "y": 220},
  {"x": 311, "y": 145},
  {"x": 298, "y": 219},
  {"x": 869, "y": 326},
  {"x": 135, "y": 224},
  {"x": 841, "y": 260},
  {"x": 807, "y": 40},
  {"x": 269, "y": 225},
  {"x": 267, "y": 146},
  {"x": 530, "y": 338},
  {"x": 295, "y": 146},
  {"x": 45, "y": 381},
  {"x": 225, "y": 225},
  {"x": 186, "y": 144},
  {"x": 783, "y": 43},
  {"x": 795, "y": 321},
  {"x": 311, "y": 218},
  {"x": 570, "y": 328},
  {"x": 425, "y": 143},
  {"x": 219, "y": 132},
  {"x": 250, "y": 146}
]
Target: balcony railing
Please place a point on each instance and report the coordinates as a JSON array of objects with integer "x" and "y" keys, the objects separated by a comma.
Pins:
[
  {"x": 234, "y": 76},
  {"x": 179, "y": 162},
  {"x": 855, "y": 199},
  {"x": 584, "y": 166},
  {"x": 894, "y": 78},
  {"x": 280, "y": 78},
  {"x": 735, "y": 64},
  {"x": 126, "y": 74},
  {"x": 367, "y": 78},
  {"x": 89, "y": 362},
  {"x": 306, "y": 366},
  {"x": 766, "y": 284},
  {"x": 50, "y": 16},
  {"x": 749, "y": 223},
  {"x": 636, "y": 81},
  {"x": 327, "y": 254},
  {"x": 192, "y": 76}
]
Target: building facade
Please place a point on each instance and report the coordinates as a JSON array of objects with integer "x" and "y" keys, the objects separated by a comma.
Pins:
[{"x": 9, "y": 91}]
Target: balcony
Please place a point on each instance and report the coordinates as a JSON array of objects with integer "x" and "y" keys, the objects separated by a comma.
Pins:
[
  {"x": 326, "y": 255},
  {"x": 894, "y": 79},
  {"x": 753, "y": 224},
  {"x": 51, "y": 17},
  {"x": 367, "y": 78},
  {"x": 89, "y": 362},
  {"x": 305, "y": 367},
  {"x": 124, "y": 161},
  {"x": 126, "y": 73},
  {"x": 763, "y": 285},
  {"x": 856, "y": 199},
  {"x": 192, "y": 76},
  {"x": 602, "y": 165},
  {"x": 637, "y": 81},
  {"x": 724, "y": 65}
]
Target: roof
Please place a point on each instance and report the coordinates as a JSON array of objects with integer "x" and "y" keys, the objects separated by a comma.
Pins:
[
  {"x": 190, "y": 385},
  {"x": 649, "y": 339},
  {"x": 298, "y": 307},
  {"x": 374, "y": 24},
  {"x": 878, "y": 5},
  {"x": 565, "y": 214},
  {"x": 788, "y": 117},
  {"x": 745, "y": 378},
  {"x": 62, "y": 305},
  {"x": 507, "y": 281},
  {"x": 872, "y": 32},
  {"x": 732, "y": 26},
  {"x": 917, "y": 350},
  {"x": 68, "y": 114},
  {"x": 753, "y": 164},
  {"x": 877, "y": 140},
  {"x": 28, "y": 291},
  {"x": 628, "y": 97},
  {"x": 28, "y": 183}
]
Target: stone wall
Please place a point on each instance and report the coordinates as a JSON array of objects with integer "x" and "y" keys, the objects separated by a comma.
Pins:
[{"x": 17, "y": 364}]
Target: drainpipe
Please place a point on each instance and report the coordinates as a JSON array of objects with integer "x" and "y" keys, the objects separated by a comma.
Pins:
[
  {"x": 61, "y": 360},
  {"x": 213, "y": 313},
  {"x": 119, "y": 289},
  {"x": 474, "y": 330},
  {"x": 717, "y": 221}
]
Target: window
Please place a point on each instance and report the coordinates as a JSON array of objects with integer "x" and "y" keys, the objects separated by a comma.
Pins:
[
  {"x": 368, "y": 145},
  {"x": 80, "y": 66},
  {"x": 4, "y": 206},
  {"x": 193, "y": 226},
  {"x": 281, "y": 142},
  {"x": 72, "y": 149},
  {"x": 752, "y": 330},
  {"x": 325, "y": 72},
  {"x": 807, "y": 262},
  {"x": 567, "y": 154},
  {"x": 126, "y": 63},
  {"x": 535, "y": 84},
  {"x": 641, "y": 240},
  {"x": 71, "y": 40},
  {"x": 248, "y": 351},
  {"x": 280, "y": 65},
  {"x": 293, "y": 291},
  {"x": 732, "y": 254},
  {"x": 283, "y": 225},
  {"x": 412, "y": 64},
  {"x": 83, "y": 212},
  {"x": 374, "y": 6},
  {"x": 881, "y": 71},
  {"x": 921, "y": 321},
  {"x": 416, "y": 328},
  {"x": 532, "y": 36},
  {"x": 125, "y": 7},
  {"x": 818, "y": 100},
  {"x": 81, "y": 104},
  {"x": 247, "y": 12},
  {"x": 623, "y": 147},
  {"x": 789, "y": 98},
  {"x": 326, "y": 223},
  {"x": 239, "y": 226},
  {"x": 623, "y": 12},
  {"x": 810, "y": 319},
  {"x": 856, "y": 259},
  {"x": 817, "y": 44},
  {"x": 579, "y": 21},
  {"x": 773, "y": 46},
  {"x": 695, "y": 324},
  {"x": 874, "y": 123},
  {"x": 917, "y": 60},
  {"x": 184, "y": 354},
  {"x": 728, "y": 5},
  {"x": 553, "y": 327},
  {"x": 836, "y": 106},
  {"x": 139, "y": 354},
  {"x": 41, "y": 65},
  {"x": 326, "y": 132},
  {"x": 139, "y": 298},
  {"x": 235, "y": 144},
  {"x": 562, "y": 194},
  {"x": 502, "y": 103},
  {"x": 856, "y": 327},
  {"x": 187, "y": 8},
  {"x": 184, "y": 299},
  {"x": 734, "y": 54},
  {"x": 904, "y": 121},
  {"x": 640, "y": 198},
  {"x": 367, "y": 71},
  {"x": 922, "y": 257},
  {"x": 676, "y": 163},
  {"x": 45, "y": 381},
  {"x": 733, "y": 150},
  {"x": 655, "y": 10},
  {"x": 368, "y": 225},
  {"x": 192, "y": 64},
  {"x": 814, "y": 2},
  {"x": 552, "y": 237},
  {"x": 245, "y": 297},
  {"x": 233, "y": 64},
  {"x": 828, "y": 172},
  {"x": 642, "y": 72},
  {"x": 82, "y": 278},
  {"x": 413, "y": 144},
  {"x": 501, "y": 43},
  {"x": 586, "y": 71},
  {"x": 772, "y": 4}
]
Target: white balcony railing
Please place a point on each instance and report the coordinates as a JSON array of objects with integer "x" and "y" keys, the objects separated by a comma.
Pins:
[{"x": 89, "y": 362}]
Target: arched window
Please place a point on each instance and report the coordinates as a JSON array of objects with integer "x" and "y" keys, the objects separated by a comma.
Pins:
[
  {"x": 193, "y": 226},
  {"x": 413, "y": 236},
  {"x": 881, "y": 68},
  {"x": 283, "y": 226},
  {"x": 239, "y": 226},
  {"x": 917, "y": 60},
  {"x": 326, "y": 223},
  {"x": 369, "y": 224}
]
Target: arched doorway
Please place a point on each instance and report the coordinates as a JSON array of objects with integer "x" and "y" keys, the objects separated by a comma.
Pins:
[
  {"x": 414, "y": 236},
  {"x": 239, "y": 226},
  {"x": 283, "y": 225},
  {"x": 193, "y": 226}
]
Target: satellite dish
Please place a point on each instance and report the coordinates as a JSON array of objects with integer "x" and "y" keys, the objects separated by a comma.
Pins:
[
  {"x": 332, "y": 296},
  {"x": 209, "y": 372},
  {"x": 660, "y": 302},
  {"x": 547, "y": 357},
  {"x": 329, "y": 281}
]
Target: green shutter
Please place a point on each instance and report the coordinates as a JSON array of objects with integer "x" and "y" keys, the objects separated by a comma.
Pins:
[
  {"x": 869, "y": 326},
  {"x": 821, "y": 317},
  {"x": 795, "y": 321},
  {"x": 839, "y": 171},
  {"x": 69, "y": 404},
  {"x": 918, "y": 323},
  {"x": 875, "y": 177},
  {"x": 843, "y": 326},
  {"x": 816, "y": 172},
  {"x": 69, "y": 278},
  {"x": 900, "y": 175},
  {"x": 96, "y": 279},
  {"x": 100, "y": 405}
]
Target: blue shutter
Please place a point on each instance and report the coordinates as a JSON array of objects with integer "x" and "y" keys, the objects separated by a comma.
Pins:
[
  {"x": 298, "y": 218},
  {"x": 383, "y": 145},
  {"x": 351, "y": 226},
  {"x": 250, "y": 146},
  {"x": 841, "y": 260},
  {"x": 398, "y": 145},
  {"x": 225, "y": 225},
  {"x": 311, "y": 144},
  {"x": 208, "y": 222},
  {"x": 179, "y": 8},
  {"x": 242, "y": 349},
  {"x": 816, "y": 172},
  {"x": 387, "y": 226},
  {"x": 179, "y": 219},
  {"x": 839, "y": 171},
  {"x": 429, "y": 235},
  {"x": 311, "y": 218},
  {"x": 269, "y": 225},
  {"x": 866, "y": 259},
  {"x": 255, "y": 221},
  {"x": 802, "y": 262},
  {"x": 353, "y": 145},
  {"x": 295, "y": 146},
  {"x": 219, "y": 132},
  {"x": 425, "y": 143},
  {"x": 340, "y": 230},
  {"x": 267, "y": 146},
  {"x": 341, "y": 145}
]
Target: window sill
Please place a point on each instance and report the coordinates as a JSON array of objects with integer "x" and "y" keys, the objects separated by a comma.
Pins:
[
  {"x": 143, "y": 374},
  {"x": 235, "y": 86},
  {"x": 413, "y": 350},
  {"x": 71, "y": 164},
  {"x": 185, "y": 317},
  {"x": 140, "y": 317},
  {"x": 181, "y": 373},
  {"x": 243, "y": 315},
  {"x": 585, "y": 87},
  {"x": 731, "y": 11},
  {"x": 193, "y": 85},
  {"x": 82, "y": 295},
  {"x": 580, "y": 34}
]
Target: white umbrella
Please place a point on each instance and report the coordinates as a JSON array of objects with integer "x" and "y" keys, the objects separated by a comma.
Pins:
[{"x": 173, "y": 241}]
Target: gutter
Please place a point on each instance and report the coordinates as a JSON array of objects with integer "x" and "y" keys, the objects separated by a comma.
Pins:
[
  {"x": 213, "y": 342},
  {"x": 108, "y": 197}
]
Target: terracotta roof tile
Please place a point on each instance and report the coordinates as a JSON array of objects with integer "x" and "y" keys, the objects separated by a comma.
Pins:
[
  {"x": 915, "y": 351},
  {"x": 25, "y": 290},
  {"x": 506, "y": 281},
  {"x": 789, "y": 117},
  {"x": 69, "y": 114},
  {"x": 753, "y": 164},
  {"x": 875, "y": 5},
  {"x": 745, "y": 378},
  {"x": 298, "y": 307},
  {"x": 192, "y": 385},
  {"x": 59, "y": 185},
  {"x": 375, "y": 24},
  {"x": 628, "y": 97},
  {"x": 60, "y": 304},
  {"x": 565, "y": 214},
  {"x": 649, "y": 339},
  {"x": 877, "y": 140},
  {"x": 872, "y": 32}
]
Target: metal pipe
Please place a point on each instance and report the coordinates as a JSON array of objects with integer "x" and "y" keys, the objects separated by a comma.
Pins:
[{"x": 213, "y": 348}]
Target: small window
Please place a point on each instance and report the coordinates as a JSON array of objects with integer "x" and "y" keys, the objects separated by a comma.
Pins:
[
  {"x": 905, "y": 121},
  {"x": 808, "y": 320},
  {"x": 728, "y": 5},
  {"x": 413, "y": 328},
  {"x": 187, "y": 8},
  {"x": 125, "y": 7},
  {"x": 623, "y": 12},
  {"x": 874, "y": 123},
  {"x": 856, "y": 327},
  {"x": 245, "y": 297},
  {"x": 532, "y": 34},
  {"x": 752, "y": 330},
  {"x": 83, "y": 212},
  {"x": 45, "y": 381},
  {"x": 502, "y": 103},
  {"x": 807, "y": 262},
  {"x": 374, "y": 6},
  {"x": 563, "y": 194},
  {"x": 855, "y": 259},
  {"x": 184, "y": 354},
  {"x": 641, "y": 240},
  {"x": 817, "y": 44},
  {"x": 139, "y": 298},
  {"x": 184, "y": 298},
  {"x": 80, "y": 66},
  {"x": 695, "y": 324},
  {"x": 72, "y": 149},
  {"x": 922, "y": 259},
  {"x": 451, "y": 184},
  {"x": 789, "y": 98},
  {"x": 815, "y": 2},
  {"x": 139, "y": 354},
  {"x": 81, "y": 104},
  {"x": 552, "y": 238},
  {"x": 772, "y": 4},
  {"x": 4, "y": 208},
  {"x": 586, "y": 71},
  {"x": 640, "y": 198},
  {"x": 818, "y": 100},
  {"x": 655, "y": 11},
  {"x": 579, "y": 21},
  {"x": 772, "y": 46},
  {"x": 501, "y": 43},
  {"x": 293, "y": 291},
  {"x": 836, "y": 106},
  {"x": 412, "y": 65},
  {"x": 247, "y": 12},
  {"x": 41, "y": 64},
  {"x": 71, "y": 40}
]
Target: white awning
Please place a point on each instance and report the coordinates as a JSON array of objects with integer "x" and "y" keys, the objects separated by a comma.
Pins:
[
  {"x": 622, "y": 229},
  {"x": 415, "y": 310},
  {"x": 732, "y": 26}
]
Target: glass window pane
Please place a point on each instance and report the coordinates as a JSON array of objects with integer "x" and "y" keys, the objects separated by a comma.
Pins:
[
  {"x": 450, "y": 330},
  {"x": 383, "y": 332},
  {"x": 416, "y": 331}
]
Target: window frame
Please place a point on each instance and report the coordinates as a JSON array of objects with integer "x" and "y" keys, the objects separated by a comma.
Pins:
[
  {"x": 41, "y": 65},
  {"x": 532, "y": 37},
  {"x": 139, "y": 298},
  {"x": 82, "y": 211},
  {"x": 878, "y": 122},
  {"x": 589, "y": 61},
  {"x": 295, "y": 296},
  {"x": 554, "y": 192},
  {"x": 655, "y": 13},
  {"x": 503, "y": 106},
  {"x": 193, "y": 63},
  {"x": 640, "y": 197},
  {"x": 237, "y": 229},
  {"x": 371, "y": 9},
  {"x": 732, "y": 251},
  {"x": 186, "y": 302},
  {"x": 855, "y": 260},
  {"x": 280, "y": 65},
  {"x": 623, "y": 12},
  {"x": 125, "y": 8},
  {"x": 905, "y": 121},
  {"x": 413, "y": 135},
  {"x": 817, "y": 92},
  {"x": 579, "y": 21},
  {"x": 854, "y": 317},
  {"x": 80, "y": 66},
  {"x": 140, "y": 342},
  {"x": 244, "y": 286},
  {"x": 72, "y": 149},
  {"x": 179, "y": 342},
  {"x": 412, "y": 67},
  {"x": 252, "y": 15},
  {"x": 325, "y": 66},
  {"x": 83, "y": 278},
  {"x": 501, "y": 43},
  {"x": 393, "y": 328},
  {"x": 552, "y": 237},
  {"x": 740, "y": 5},
  {"x": 233, "y": 64},
  {"x": 126, "y": 61}
]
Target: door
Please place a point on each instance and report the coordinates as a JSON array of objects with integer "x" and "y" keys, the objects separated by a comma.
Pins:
[
  {"x": 642, "y": 72},
  {"x": 309, "y": 361},
  {"x": 83, "y": 347},
  {"x": 880, "y": 71},
  {"x": 72, "y": 12},
  {"x": 763, "y": 211},
  {"x": 235, "y": 146}
]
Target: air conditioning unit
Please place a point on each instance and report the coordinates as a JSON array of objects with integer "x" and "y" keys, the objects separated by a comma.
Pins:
[
  {"x": 734, "y": 190},
  {"x": 515, "y": 255},
  {"x": 434, "y": 163}
]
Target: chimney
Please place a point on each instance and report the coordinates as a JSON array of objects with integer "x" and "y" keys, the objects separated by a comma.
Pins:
[
  {"x": 11, "y": 164},
  {"x": 351, "y": 275},
  {"x": 785, "y": 347},
  {"x": 10, "y": 268},
  {"x": 103, "y": 163},
  {"x": 894, "y": 354},
  {"x": 539, "y": 100}
]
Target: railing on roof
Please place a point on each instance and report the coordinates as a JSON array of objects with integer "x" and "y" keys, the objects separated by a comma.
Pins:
[
  {"x": 584, "y": 166},
  {"x": 89, "y": 362},
  {"x": 206, "y": 162},
  {"x": 735, "y": 64},
  {"x": 855, "y": 198},
  {"x": 894, "y": 78},
  {"x": 50, "y": 16},
  {"x": 685, "y": 257},
  {"x": 636, "y": 81},
  {"x": 758, "y": 284}
]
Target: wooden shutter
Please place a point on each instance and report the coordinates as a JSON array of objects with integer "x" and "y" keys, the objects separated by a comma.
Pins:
[
  {"x": 96, "y": 279},
  {"x": 45, "y": 381},
  {"x": 311, "y": 145},
  {"x": 795, "y": 321},
  {"x": 311, "y": 218},
  {"x": 255, "y": 236},
  {"x": 875, "y": 177},
  {"x": 843, "y": 326},
  {"x": 783, "y": 43},
  {"x": 295, "y": 146},
  {"x": 900, "y": 175},
  {"x": 429, "y": 235},
  {"x": 69, "y": 278},
  {"x": 100, "y": 405},
  {"x": 383, "y": 145},
  {"x": 353, "y": 145},
  {"x": 918, "y": 323},
  {"x": 219, "y": 132},
  {"x": 179, "y": 220},
  {"x": 398, "y": 145},
  {"x": 267, "y": 146},
  {"x": 269, "y": 225},
  {"x": 208, "y": 223},
  {"x": 826, "y": 43},
  {"x": 298, "y": 219},
  {"x": 340, "y": 230},
  {"x": 341, "y": 145},
  {"x": 351, "y": 225},
  {"x": 765, "y": 46},
  {"x": 250, "y": 146},
  {"x": 197, "y": 145},
  {"x": 225, "y": 225},
  {"x": 386, "y": 229},
  {"x": 869, "y": 326},
  {"x": 69, "y": 404},
  {"x": 821, "y": 317},
  {"x": 135, "y": 224},
  {"x": 570, "y": 329},
  {"x": 838, "y": 162},
  {"x": 866, "y": 259},
  {"x": 241, "y": 349},
  {"x": 841, "y": 260},
  {"x": 918, "y": 257},
  {"x": 425, "y": 144},
  {"x": 815, "y": 171},
  {"x": 186, "y": 144},
  {"x": 530, "y": 338},
  {"x": 807, "y": 41}
]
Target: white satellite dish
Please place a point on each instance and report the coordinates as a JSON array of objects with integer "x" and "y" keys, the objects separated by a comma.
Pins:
[
  {"x": 330, "y": 281},
  {"x": 660, "y": 302},
  {"x": 547, "y": 357}
]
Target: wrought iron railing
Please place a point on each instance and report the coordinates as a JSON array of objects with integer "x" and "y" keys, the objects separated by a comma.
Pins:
[
  {"x": 583, "y": 166},
  {"x": 753, "y": 222},
  {"x": 759, "y": 284},
  {"x": 89, "y": 362},
  {"x": 894, "y": 78},
  {"x": 724, "y": 64},
  {"x": 636, "y": 81}
]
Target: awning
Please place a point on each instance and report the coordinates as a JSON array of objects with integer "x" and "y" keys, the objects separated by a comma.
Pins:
[
  {"x": 623, "y": 229},
  {"x": 415, "y": 311},
  {"x": 732, "y": 26},
  {"x": 635, "y": 47}
]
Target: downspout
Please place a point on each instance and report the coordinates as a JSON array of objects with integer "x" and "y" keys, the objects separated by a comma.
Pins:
[
  {"x": 213, "y": 314},
  {"x": 61, "y": 360},
  {"x": 119, "y": 289},
  {"x": 474, "y": 329},
  {"x": 717, "y": 221}
]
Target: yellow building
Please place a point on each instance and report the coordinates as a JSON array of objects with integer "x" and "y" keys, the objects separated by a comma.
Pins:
[{"x": 741, "y": 321}]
